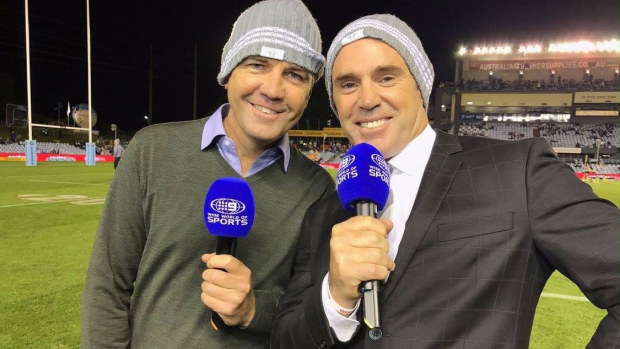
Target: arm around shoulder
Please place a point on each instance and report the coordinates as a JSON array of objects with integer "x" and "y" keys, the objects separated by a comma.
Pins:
[
  {"x": 578, "y": 233},
  {"x": 300, "y": 320}
]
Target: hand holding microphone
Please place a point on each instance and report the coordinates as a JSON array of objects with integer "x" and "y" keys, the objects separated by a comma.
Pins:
[
  {"x": 359, "y": 247},
  {"x": 359, "y": 252},
  {"x": 227, "y": 290},
  {"x": 227, "y": 282}
]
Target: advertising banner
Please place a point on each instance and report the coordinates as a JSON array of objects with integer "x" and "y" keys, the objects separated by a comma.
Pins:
[
  {"x": 586, "y": 175},
  {"x": 543, "y": 64},
  {"x": 55, "y": 157},
  {"x": 608, "y": 97},
  {"x": 472, "y": 116},
  {"x": 326, "y": 132}
]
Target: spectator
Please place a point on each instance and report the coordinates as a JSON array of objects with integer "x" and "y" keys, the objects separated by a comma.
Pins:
[{"x": 118, "y": 152}]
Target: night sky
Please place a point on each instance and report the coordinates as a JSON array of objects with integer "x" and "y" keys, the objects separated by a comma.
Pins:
[{"x": 121, "y": 32}]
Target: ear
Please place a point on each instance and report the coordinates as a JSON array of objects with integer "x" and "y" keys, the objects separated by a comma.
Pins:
[{"x": 226, "y": 86}]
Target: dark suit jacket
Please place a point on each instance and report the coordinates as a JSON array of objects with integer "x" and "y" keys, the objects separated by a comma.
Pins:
[{"x": 492, "y": 220}]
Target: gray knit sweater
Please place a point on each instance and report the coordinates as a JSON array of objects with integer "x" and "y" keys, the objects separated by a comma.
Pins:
[{"x": 143, "y": 283}]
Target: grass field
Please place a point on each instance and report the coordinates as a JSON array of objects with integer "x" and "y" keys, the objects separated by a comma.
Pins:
[{"x": 48, "y": 218}]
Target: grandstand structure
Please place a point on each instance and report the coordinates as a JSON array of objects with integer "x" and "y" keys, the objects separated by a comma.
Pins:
[{"x": 566, "y": 92}]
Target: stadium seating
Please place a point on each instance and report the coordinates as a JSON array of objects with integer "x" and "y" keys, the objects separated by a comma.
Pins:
[
  {"x": 43, "y": 147},
  {"x": 535, "y": 85},
  {"x": 558, "y": 134},
  {"x": 584, "y": 135}
]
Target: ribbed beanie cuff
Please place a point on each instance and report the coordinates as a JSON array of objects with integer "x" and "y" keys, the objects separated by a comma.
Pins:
[{"x": 279, "y": 29}]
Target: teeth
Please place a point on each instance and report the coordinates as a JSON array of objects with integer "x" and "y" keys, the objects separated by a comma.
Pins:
[
  {"x": 264, "y": 109},
  {"x": 373, "y": 124}
]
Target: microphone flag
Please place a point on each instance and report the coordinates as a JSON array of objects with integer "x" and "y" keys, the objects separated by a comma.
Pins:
[
  {"x": 229, "y": 208},
  {"x": 363, "y": 175}
]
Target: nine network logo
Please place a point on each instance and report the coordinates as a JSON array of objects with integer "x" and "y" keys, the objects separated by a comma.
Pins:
[
  {"x": 347, "y": 161},
  {"x": 227, "y": 206},
  {"x": 380, "y": 161}
]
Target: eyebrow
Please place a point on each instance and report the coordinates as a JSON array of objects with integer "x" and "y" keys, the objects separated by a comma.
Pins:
[
  {"x": 345, "y": 77},
  {"x": 382, "y": 69},
  {"x": 257, "y": 58},
  {"x": 389, "y": 69}
]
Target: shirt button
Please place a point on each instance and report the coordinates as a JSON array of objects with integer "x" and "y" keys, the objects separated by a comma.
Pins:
[
  {"x": 375, "y": 334},
  {"x": 226, "y": 143}
]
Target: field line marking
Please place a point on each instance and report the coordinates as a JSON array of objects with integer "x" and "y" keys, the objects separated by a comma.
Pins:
[
  {"x": 77, "y": 183},
  {"x": 563, "y": 296},
  {"x": 36, "y": 203}
]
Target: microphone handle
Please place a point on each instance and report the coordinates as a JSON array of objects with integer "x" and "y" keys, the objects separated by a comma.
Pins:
[
  {"x": 369, "y": 289},
  {"x": 225, "y": 245}
]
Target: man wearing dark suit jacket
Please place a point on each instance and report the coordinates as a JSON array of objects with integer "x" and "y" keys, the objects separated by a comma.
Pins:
[{"x": 472, "y": 230}]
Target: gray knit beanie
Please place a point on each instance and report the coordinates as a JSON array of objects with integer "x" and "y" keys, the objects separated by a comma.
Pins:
[
  {"x": 394, "y": 32},
  {"x": 280, "y": 29}
]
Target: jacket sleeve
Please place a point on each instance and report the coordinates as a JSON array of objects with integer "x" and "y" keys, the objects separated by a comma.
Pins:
[
  {"x": 115, "y": 258},
  {"x": 267, "y": 300},
  {"x": 300, "y": 321},
  {"x": 578, "y": 233}
]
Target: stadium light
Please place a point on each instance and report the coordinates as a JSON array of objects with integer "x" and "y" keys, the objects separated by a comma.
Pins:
[
  {"x": 482, "y": 50},
  {"x": 611, "y": 46},
  {"x": 530, "y": 48},
  {"x": 585, "y": 46}
]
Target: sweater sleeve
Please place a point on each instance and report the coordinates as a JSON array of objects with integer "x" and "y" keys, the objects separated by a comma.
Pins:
[
  {"x": 578, "y": 233},
  {"x": 115, "y": 258}
]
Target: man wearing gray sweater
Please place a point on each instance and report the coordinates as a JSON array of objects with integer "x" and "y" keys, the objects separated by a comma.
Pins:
[{"x": 153, "y": 280}]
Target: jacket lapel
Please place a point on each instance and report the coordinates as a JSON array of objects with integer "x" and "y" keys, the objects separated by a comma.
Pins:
[{"x": 438, "y": 176}]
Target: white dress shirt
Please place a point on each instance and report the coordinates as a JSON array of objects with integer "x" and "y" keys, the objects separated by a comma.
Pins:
[{"x": 407, "y": 169}]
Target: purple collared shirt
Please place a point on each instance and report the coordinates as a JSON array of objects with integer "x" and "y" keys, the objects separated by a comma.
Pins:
[{"x": 214, "y": 132}]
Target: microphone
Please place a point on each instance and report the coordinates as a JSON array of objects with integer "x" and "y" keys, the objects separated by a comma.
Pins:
[
  {"x": 228, "y": 214},
  {"x": 363, "y": 181}
]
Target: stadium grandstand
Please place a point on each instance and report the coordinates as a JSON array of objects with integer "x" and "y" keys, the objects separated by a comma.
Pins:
[{"x": 566, "y": 92}]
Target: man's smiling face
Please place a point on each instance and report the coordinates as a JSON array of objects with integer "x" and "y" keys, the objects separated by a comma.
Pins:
[{"x": 377, "y": 98}]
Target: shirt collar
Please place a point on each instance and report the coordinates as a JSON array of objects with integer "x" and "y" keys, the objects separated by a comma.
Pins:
[
  {"x": 214, "y": 127},
  {"x": 416, "y": 154}
]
